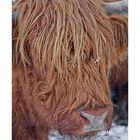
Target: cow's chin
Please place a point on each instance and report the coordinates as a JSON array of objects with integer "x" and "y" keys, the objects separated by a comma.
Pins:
[{"x": 85, "y": 122}]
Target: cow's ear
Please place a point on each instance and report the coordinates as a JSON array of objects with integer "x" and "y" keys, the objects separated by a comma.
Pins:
[{"x": 120, "y": 30}]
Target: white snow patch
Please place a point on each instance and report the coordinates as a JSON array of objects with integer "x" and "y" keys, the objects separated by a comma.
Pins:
[{"x": 116, "y": 132}]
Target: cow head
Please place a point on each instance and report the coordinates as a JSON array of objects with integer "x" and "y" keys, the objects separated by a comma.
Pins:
[{"x": 63, "y": 51}]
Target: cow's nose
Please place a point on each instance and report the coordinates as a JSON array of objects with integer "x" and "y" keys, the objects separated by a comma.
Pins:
[{"x": 96, "y": 122}]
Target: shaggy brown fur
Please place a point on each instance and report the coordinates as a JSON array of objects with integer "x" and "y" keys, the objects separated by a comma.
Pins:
[
  {"x": 56, "y": 48},
  {"x": 119, "y": 74}
]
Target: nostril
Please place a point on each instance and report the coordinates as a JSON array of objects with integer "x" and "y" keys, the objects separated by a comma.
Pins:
[{"x": 87, "y": 116}]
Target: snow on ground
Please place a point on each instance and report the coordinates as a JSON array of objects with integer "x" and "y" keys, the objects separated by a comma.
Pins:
[{"x": 116, "y": 132}]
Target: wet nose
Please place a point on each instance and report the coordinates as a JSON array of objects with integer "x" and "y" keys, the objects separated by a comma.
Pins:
[
  {"x": 97, "y": 120},
  {"x": 96, "y": 123}
]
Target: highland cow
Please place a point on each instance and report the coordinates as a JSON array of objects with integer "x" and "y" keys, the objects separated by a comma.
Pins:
[{"x": 63, "y": 52}]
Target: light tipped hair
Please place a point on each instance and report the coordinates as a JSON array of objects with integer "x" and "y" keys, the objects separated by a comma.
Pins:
[{"x": 61, "y": 34}]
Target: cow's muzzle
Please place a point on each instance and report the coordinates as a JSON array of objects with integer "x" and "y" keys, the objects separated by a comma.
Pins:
[{"x": 87, "y": 121}]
